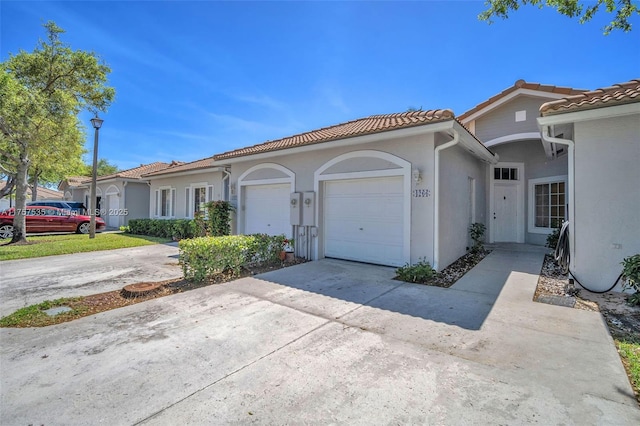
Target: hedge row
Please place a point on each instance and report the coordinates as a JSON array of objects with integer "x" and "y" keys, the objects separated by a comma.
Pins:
[
  {"x": 165, "y": 228},
  {"x": 203, "y": 258}
]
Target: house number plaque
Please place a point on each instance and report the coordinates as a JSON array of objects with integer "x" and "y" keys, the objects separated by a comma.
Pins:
[{"x": 421, "y": 193}]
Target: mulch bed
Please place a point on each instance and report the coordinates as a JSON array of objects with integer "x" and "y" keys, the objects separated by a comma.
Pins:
[{"x": 452, "y": 273}]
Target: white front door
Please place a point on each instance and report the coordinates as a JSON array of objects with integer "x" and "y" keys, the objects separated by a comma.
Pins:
[
  {"x": 364, "y": 220},
  {"x": 266, "y": 209},
  {"x": 113, "y": 220},
  {"x": 505, "y": 213}
]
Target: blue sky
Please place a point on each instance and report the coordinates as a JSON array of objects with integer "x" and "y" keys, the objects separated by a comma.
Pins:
[{"x": 196, "y": 78}]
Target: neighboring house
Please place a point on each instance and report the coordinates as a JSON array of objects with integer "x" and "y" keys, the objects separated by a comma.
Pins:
[
  {"x": 600, "y": 132},
  {"x": 386, "y": 189},
  {"x": 182, "y": 190},
  {"x": 119, "y": 196},
  {"x": 42, "y": 194}
]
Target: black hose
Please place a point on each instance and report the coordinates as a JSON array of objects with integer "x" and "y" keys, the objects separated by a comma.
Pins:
[{"x": 563, "y": 258}]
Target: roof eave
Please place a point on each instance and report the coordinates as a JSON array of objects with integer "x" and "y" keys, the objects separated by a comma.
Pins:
[
  {"x": 209, "y": 169},
  {"x": 354, "y": 140},
  {"x": 550, "y": 118}
]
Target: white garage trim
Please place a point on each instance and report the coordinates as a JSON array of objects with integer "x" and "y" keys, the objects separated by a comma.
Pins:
[
  {"x": 112, "y": 190},
  {"x": 243, "y": 181},
  {"x": 404, "y": 171}
]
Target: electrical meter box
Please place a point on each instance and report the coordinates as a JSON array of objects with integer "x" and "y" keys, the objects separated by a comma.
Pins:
[
  {"x": 308, "y": 208},
  {"x": 295, "y": 208}
]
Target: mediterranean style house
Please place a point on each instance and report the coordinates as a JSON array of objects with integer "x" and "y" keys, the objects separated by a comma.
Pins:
[
  {"x": 397, "y": 188},
  {"x": 119, "y": 196}
]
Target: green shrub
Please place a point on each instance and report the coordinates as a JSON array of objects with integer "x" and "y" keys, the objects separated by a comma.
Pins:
[
  {"x": 476, "y": 231},
  {"x": 416, "y": 273},
  {"x": 552, "y": 238},
  {"x": 631, "y": 277},
  {"x": 203, "y": 258},
  {"x": 219, "y": 217},
  {"x": 177, "y": 229}
]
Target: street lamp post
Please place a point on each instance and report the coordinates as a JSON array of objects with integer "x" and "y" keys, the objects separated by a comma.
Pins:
[{"x": 96, "y": 123}]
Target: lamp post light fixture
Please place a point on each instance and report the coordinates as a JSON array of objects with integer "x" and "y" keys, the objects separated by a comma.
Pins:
[{"x": 96, "y": 123}]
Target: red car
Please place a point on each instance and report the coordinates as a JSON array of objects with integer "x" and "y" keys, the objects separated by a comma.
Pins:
[{"x": 48, "y": 219}]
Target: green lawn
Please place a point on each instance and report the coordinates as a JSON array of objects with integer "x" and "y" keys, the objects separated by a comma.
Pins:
[
  {"x": 74, "y": 243},
  {"x": 630, "y": 353}
]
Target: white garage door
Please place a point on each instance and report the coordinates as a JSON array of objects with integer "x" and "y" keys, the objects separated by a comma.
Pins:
[
  {"x": 266, "y": 209},
  {"x": 363, "y": 220}
]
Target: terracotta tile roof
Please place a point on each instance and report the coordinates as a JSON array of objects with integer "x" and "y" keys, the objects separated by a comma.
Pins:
[
  {"x": 204, "y": 163},
  {"x": 520, "y": 84},
  {"x": 617, "y": 94},
  {"x": 137, "y": 172},
  {"x": 359, "y": 127},
  {"x": 77, "y": 180}
]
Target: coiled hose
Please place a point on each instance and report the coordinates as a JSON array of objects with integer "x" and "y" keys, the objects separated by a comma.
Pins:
[{"x": 563, "y": 258}]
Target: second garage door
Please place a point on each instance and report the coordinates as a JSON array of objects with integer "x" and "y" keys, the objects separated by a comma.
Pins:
[
  {"x": 266, "y": 209},
  {"x": 363, "y": 220}
]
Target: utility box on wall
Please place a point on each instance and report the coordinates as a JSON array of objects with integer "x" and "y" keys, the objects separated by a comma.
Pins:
[
  {"x": 308, "y": 208},
  {"x": 295, "y": 208}
]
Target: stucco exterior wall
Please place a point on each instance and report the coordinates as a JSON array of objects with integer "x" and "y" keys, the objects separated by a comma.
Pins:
[
  {"x": 502, "y": 120},
  {"x": 458, "y": 201},
  {"x": 607, "y": 198},
  {"x": 180, "y": 183},
  {"x": 536, "y": 165},
  {"x": 136, "y": 200},
  {"x": 417, "y": 150}
]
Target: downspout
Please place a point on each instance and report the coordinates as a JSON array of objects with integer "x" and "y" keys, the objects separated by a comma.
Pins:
[
  {"x": 226, "y": 179},
  {"x": 546, "y": 136},
  {"x": 124, "y": 221},
  {"x": 436, "y": 196}
]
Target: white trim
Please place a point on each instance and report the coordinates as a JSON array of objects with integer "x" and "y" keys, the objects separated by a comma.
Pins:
[
  {"x": 512, "y": 138},
  {"x": 356, "y": 140},
  {"x": 590, "y": 114},
  {"x": 404, "y": 170},
  {"x": 532, "y": 201},
  {"x": 110, "y": 192},
  {"x": 290, "y": 179},
  {"x": 168, "y": 175},
  {"x": 520, "y": 208},
  {"x": 506, "y": 98},
  {"x": 172, "y": 207},
  {"x": 192, "y": 186}
]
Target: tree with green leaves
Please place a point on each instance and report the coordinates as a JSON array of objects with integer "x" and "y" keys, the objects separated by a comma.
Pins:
[
  {"x": 41, "y": 94},
  {"x": 623, "y": 10},
  {"x": 104, "y": 168}
]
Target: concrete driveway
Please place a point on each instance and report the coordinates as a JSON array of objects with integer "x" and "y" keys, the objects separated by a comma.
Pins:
[
  {"x": 29, "y": 281},
  {"x": 325, "y": 342}
]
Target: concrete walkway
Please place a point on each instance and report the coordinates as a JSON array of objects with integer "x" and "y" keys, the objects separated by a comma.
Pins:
[
  {"x": 326, "y": 342},
  {"x": 26, "y": 282}
]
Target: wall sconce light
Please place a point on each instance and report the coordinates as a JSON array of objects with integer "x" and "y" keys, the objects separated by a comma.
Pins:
[
  {"x": 294, "y": 201},
  {"x": 417, "y": 176},
  {"x": 307, "y": 201}
]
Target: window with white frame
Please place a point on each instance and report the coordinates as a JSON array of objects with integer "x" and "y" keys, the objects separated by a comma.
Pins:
[
  {"x": 196, "y": 196},
  {"x": 165, "y": 202},
  {"x": 548, "y": 203}
]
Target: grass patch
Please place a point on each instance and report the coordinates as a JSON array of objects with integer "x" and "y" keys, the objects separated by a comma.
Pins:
[
  {"x": 34, "y": 315},
  {"x": 630, "y": 353},
  {"x": 51, "y": 245}
]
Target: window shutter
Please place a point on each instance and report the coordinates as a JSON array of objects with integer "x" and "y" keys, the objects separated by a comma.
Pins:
[
  {"x": 210, "y": 193},
  {"x": 157, "y": 202},
  {"x": 173, "y": 202},
  {"x": 187, "y": 210}
]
